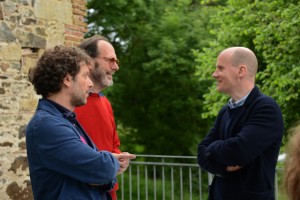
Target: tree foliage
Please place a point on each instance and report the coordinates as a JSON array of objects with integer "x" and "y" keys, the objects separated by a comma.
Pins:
[
  {"x": 164, "y": 96},
  {"x": 157, "y": 97},
  {"x": 270, "y": 29}
]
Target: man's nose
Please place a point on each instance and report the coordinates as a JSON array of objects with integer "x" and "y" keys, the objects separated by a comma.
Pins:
[
  {"x": 90, "y": 82},
  {"x": 115, "y": 66},
  {"x": 214, "y": 74}
]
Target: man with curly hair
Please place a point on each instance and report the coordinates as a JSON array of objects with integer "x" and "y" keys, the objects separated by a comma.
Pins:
[{"x": 64, "y": 163}]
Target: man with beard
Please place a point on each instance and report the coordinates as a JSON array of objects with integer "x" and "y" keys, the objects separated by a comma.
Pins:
[
  {"x": 97, "y": 116},
  {"x": 63, "y": 161}
]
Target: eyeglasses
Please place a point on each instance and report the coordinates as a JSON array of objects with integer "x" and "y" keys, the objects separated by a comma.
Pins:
[{"x": 111, "y": 61}]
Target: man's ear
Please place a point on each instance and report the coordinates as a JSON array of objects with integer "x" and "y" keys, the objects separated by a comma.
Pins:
[
  {"x": 68, "y": 80},
  {"x": 242, "y": 71},
  {"x": 92, "y": 64}
]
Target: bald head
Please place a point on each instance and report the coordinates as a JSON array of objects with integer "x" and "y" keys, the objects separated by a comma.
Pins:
[{"x": 242, "y": 56}]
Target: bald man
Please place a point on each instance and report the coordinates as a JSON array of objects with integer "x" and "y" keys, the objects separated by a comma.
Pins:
[{"x": 242, "y": 147}]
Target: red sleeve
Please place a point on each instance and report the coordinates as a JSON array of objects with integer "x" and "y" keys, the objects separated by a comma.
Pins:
[{"x": 116, "y": 140}]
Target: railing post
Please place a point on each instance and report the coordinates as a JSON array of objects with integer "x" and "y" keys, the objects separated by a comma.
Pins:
[
  {"x": 130, "y": 183},
  {"x": 138, "y": 181},
  {"x": 191, "y": 183},
  {"x": 163, "y": 179},
  {"x": 181, "y": 185},
  {"x": 200, "y": 183},
  {"x": 172, "y": 182},
  {"x": 146, "y": 182}
]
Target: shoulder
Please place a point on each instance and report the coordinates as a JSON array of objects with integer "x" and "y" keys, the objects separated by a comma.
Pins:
[
  {"x": 264, "y": 100},
  {"x": 43, "y": 122},
  {"x": 105, "y": 100},
  {"x": 257, "y": 98},
  {"x": 265, "y": 108}
]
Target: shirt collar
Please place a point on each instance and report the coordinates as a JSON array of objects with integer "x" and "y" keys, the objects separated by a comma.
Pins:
[
  {"x": 238, "y": 103},
  {"x": 66, "y": 112},
  {"x": 100, "y": 94}
]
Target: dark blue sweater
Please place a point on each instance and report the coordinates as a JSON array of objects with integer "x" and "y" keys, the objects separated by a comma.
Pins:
[{"x": 248, "y": 136}]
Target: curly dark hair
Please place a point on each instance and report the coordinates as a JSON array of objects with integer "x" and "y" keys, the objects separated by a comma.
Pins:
[
  {"x": 53, "y": 66},
  {"x": 90, "y": 45}
]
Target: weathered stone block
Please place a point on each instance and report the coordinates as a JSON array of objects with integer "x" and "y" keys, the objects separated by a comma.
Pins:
[
  {"x": 22, "y": 145},
  {"x": 1, "y": 13},
  {"x": 16, "y": 192},
  {"x": 20, "y": 161},
  {"x": 2, "y": 90},
  {"x": 5, "y": 33},
  {"x": 28, "y": 105},
  {"x": 28, "y": 62},
  {"x": 14, "y": 21},
  {"x": 23, "y": 2},
  {"x": 16, "y": 65},
  {"x": 6, "y": 144},
  {"x": 27, "y": 15},
  {"x": 22, "y": 131},
  {"x": 4, "y": 66},
  {"x": 9, "y": 8},
  {"x": 54, "y": 10},
  {"x": 37, "y": 41},
  {"x": 6, "y": 84},
  {"x": 41, "y": 31},
  {"x": 55, "y": 33},
  {"x": 10, "y": 51},
  {"x": 4, "y": 107},
  {"x": 28, "y": 39}
]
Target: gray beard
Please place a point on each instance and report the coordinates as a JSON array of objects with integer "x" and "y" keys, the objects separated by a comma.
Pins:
[{"x": 99, "y": 77}]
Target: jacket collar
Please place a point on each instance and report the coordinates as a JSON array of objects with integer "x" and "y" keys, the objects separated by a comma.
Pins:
[
  {"x": 44, "y": 104},
  {"x": 253, "y": 94}
]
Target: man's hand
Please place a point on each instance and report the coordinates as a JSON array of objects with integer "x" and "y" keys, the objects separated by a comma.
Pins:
[
  {"x": 233, "y": 168},
  {"x": 123, "y": 159}
]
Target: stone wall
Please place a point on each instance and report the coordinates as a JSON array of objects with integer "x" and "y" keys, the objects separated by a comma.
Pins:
[{"x": 27, "y": 27}]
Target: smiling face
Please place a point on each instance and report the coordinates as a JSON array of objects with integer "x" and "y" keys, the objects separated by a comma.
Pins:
[
  {"x": 105, "y": 65},
  {"x": 226, "y": 74}
]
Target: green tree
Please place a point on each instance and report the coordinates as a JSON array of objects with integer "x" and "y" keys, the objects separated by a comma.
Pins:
[
  {"x": 157, "y": 97},
  {"x": 270, "y": 29}
]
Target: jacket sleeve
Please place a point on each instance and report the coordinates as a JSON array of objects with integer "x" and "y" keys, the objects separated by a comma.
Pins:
[
  {"x": 60, "y": 149},
  {"x": 263, "y": 128},
  {"x": 203, "y": 157}
]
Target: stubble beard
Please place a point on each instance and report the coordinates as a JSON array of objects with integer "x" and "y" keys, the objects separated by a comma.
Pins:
[{"x": 78, "y": 98}]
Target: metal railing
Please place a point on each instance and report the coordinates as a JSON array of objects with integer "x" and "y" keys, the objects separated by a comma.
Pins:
[{"x": 166, "y": 177}]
